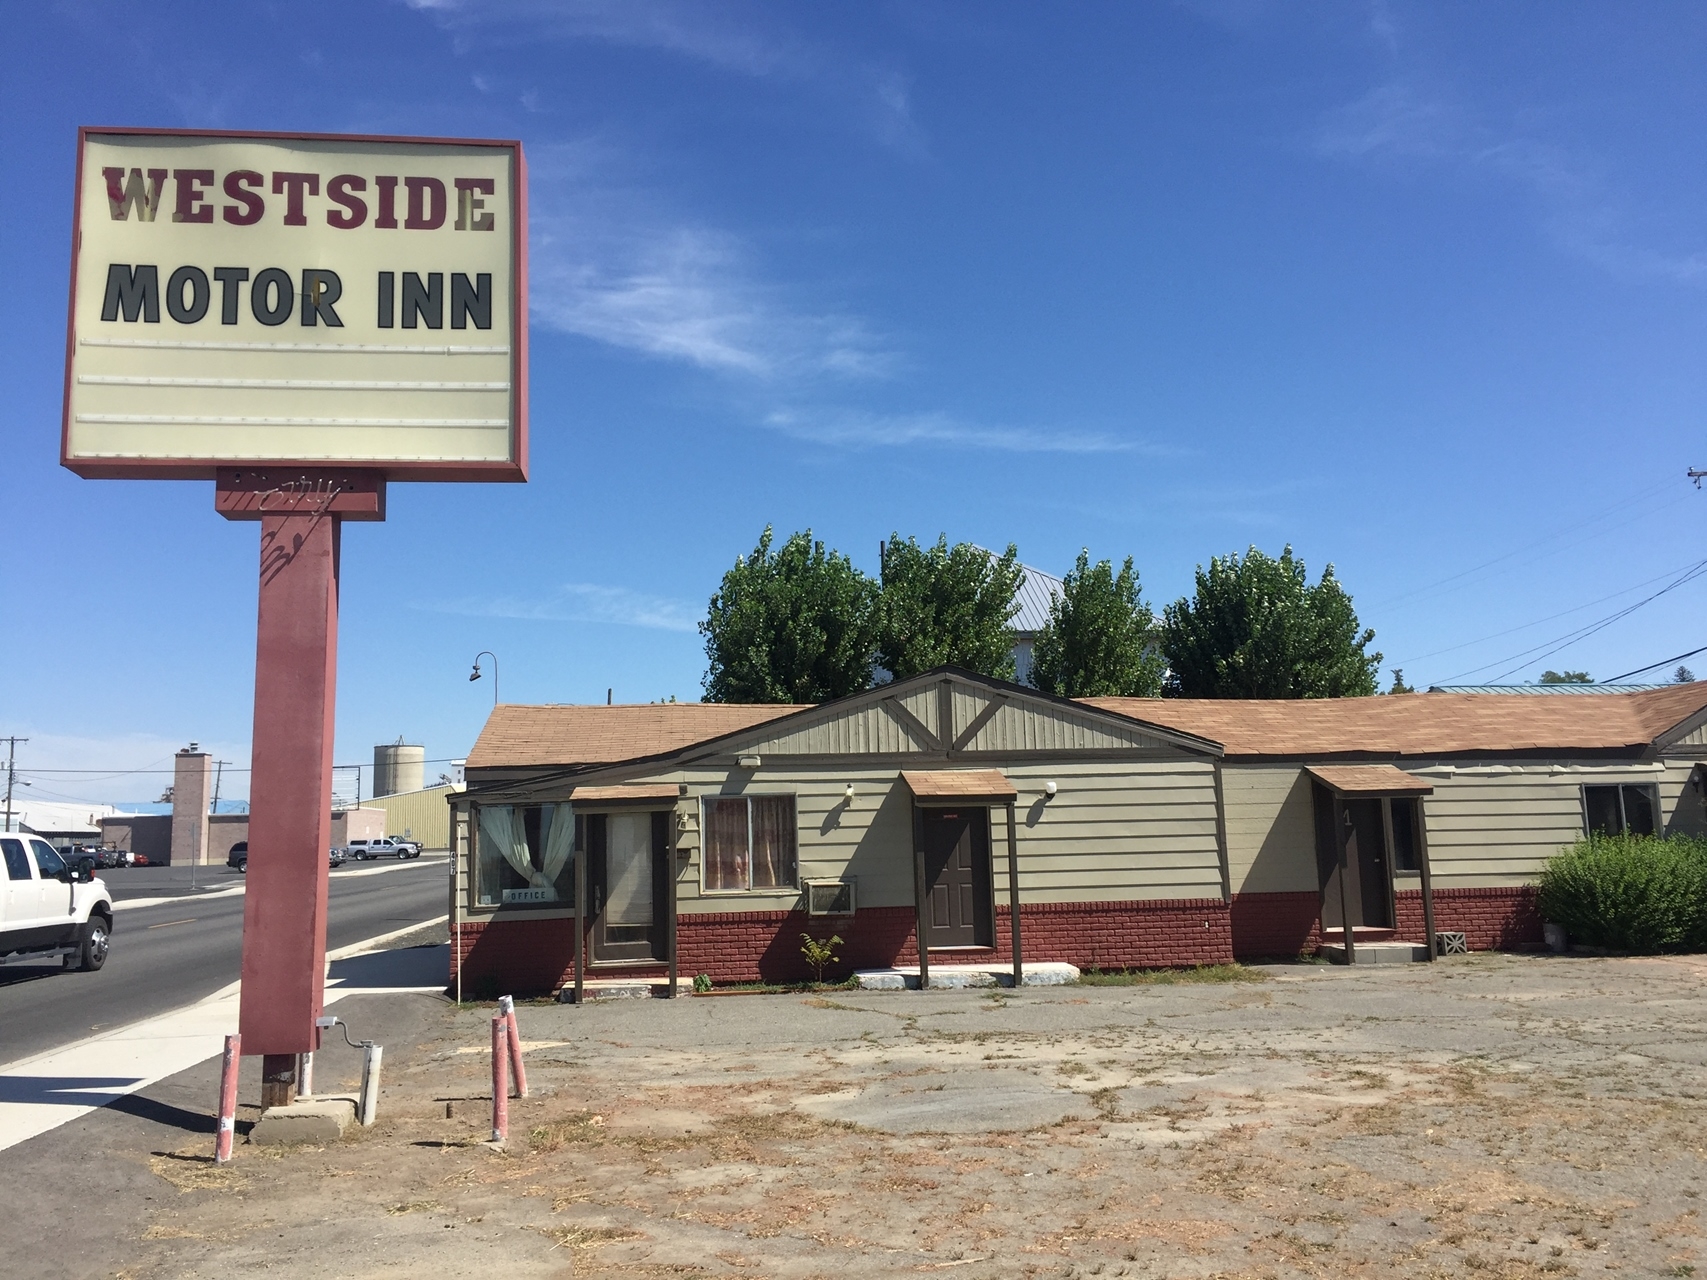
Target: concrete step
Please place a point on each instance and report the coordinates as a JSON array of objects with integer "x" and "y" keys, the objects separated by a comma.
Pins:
[
  {"x": 1380, "y": 952},
  {"x": 1045, "y": 973},
  {"x": 624, "y": 989},
  {"x": 317, "y": 1120}
]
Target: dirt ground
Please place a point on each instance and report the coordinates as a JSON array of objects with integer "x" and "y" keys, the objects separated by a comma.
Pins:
[{"x": 1489, "y": 1115}]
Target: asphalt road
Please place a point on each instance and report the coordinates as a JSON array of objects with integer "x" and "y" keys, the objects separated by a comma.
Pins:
[{"x": 169, "y": 953}]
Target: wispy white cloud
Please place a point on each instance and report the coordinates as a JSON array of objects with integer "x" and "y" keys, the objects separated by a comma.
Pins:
[
  {"x": 861, "y": 430},
  {"x": 742, "y": 39},
  {"x": 580, "y": 602},
  {"x": 714, "y": 34},
  {"x": 1578, "y": 203},
  {"x": 607, "y": 264}
]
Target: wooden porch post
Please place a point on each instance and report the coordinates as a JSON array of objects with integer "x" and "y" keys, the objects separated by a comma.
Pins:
[
  {"x": 580, "y": 914},
  {"x": 920, "y": 906},
  {"x": 1427, "y": 883},
  {"x": 670, "y": 858},
  {"x": 1013, "y": 895},
  {"x": 1345, "y": 918}
]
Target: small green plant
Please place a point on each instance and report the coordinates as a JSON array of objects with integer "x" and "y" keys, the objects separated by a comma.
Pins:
[
  {"x": 702, "y": 982},
  {"x": 818, "y": 954},
  {"x": 1630, "y": 893}
]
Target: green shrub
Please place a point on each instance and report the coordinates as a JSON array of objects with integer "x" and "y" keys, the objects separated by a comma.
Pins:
[{"x": 1631, "y": 893}]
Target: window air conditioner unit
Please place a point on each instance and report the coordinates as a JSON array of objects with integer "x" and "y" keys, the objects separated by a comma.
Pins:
[{"x": 829, "y": 897}]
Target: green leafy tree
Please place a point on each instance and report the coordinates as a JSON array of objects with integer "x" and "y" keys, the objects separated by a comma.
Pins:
[
  {"x": 1399, "y": 685},
  {"x": 793, "y": 625},
  {"x": 947, "y": 606},
  {"x": 1100, "y": 640},
  {"x": 1565, "y": 677},
  {"x": 1256, "y": 628}
]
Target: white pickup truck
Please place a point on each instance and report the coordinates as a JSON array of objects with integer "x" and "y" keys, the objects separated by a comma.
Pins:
[
  {"x": 49, "y": 909},
  {"x": 383, "y": 847}
]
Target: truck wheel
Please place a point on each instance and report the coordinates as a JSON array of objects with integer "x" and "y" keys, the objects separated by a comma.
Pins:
[{"x": 97, "y": 937}]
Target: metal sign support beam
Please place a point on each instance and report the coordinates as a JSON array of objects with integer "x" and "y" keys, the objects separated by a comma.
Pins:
[{"x": 290, "y": 798}]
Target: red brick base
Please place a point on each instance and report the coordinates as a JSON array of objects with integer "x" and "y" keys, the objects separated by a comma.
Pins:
[
  {"x": 764, "y": 946},
  {"x": 1276, "y": 925},
  {"x": 1289, "y": 924},
  {"x": 1496, "y": 919}
]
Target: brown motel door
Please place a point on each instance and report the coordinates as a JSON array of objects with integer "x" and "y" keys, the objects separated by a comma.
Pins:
[
  {"x": 957, "y": 876},
  {"x": 625, "y": 884},
  {"x": 1368, "y": 891}
]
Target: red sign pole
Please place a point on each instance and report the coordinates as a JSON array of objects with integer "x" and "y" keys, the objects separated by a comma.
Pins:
[{"x": 290, "y": 786}]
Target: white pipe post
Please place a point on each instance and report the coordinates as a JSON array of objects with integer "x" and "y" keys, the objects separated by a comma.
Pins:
[{"x": 371, "y": 1057}]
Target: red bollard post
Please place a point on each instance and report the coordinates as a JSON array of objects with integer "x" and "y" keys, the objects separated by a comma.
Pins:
[
  {"x": 228, "y": 1099},
  {"x": 500, "y": 1077},
  {"x": 518, "y": 1071}
]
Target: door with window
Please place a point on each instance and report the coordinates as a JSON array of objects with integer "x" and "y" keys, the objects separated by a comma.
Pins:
[
  {"x": 1358, "y": 851},
  {"x": 626, "y": 886},
  {"x": 959, "y": 909}
]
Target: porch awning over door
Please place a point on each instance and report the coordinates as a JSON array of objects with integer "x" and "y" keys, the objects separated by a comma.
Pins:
[
  {"x": 952, "y": 785},
  {"x": 1370, "y": 780}
]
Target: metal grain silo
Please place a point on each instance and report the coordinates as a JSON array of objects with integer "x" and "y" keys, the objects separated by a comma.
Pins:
[{"x": 398, "y": 767}]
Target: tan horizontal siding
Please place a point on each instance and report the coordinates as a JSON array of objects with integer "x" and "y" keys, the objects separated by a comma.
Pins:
[
  {"x": 1271, "y": 834},
  {"x": 423, "y": 816}
]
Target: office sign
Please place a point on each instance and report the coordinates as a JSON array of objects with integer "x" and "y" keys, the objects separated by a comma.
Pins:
[{"x": 296, "y": 300}]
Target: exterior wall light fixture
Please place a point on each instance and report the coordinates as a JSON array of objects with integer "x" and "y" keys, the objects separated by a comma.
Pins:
[{"x": 1049, "y": 790}]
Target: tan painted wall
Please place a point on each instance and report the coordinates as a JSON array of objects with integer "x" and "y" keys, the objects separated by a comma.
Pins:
[
  {"x": 1114, "y": 831},
  {"x": 419, "y": 815},
  {"x": 1487, "y": 824},
  {"x": 1271, "y": 834}
]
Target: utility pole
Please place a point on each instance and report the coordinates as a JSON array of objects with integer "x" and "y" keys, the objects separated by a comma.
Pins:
[
  {"x": 218, "y": 768},
  {"x": 11, "y": 774}
]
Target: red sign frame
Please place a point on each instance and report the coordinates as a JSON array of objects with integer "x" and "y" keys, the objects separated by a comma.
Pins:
[{"x": 205, "y": 469}]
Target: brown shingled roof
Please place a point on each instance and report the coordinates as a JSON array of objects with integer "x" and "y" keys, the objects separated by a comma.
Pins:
[
  {"x": 1423, "y": 724},
  {"x": 520, "y": 736}
]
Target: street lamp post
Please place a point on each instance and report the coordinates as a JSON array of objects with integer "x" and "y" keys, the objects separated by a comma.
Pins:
[{"x": 476, "y": 673}]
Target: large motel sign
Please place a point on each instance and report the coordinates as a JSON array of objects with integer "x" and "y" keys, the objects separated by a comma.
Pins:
[{"x": 299, "y": 318}]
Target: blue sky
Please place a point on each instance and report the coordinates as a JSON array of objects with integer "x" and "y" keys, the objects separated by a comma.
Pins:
[{"x": 1416, "y": 288}]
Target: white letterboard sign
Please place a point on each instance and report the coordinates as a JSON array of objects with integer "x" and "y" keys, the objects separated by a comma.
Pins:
[{"x": 312, "y": 300}]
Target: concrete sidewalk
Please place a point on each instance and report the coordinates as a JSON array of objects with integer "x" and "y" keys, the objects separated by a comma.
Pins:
[{"x": 42, "y": 1092}]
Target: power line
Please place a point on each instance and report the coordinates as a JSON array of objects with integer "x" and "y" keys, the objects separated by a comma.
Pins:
[
  {"x": 1551, "y": 541},
  {"x": 1663, "y": 662},
  {"x": 1563, "y": 613},
  {"x": 1559, "y": 643}
]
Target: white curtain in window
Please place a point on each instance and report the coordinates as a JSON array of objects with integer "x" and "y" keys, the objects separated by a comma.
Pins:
[
  {"x": 500, "y": 824},
  {"x": 559, "y": 841}
]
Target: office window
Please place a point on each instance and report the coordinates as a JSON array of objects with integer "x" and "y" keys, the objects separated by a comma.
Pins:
[
  {"x": 1628, "y": 809},
  {"x": 525, "y": 855},
  {"x": 750, "y": 843}
]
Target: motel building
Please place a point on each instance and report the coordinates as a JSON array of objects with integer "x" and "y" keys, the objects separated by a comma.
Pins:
[{"x": 669, "y": 840}]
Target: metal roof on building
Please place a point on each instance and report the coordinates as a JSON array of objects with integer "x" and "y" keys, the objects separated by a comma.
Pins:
[
  {"x": 1570, "y": 687},
  {"x": 1037, "y": 591}
]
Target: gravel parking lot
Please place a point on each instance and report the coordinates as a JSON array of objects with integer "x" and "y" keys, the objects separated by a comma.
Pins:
[{"x": 1500, "y": 1115}]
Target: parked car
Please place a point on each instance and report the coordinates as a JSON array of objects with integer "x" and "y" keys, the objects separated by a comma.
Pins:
[
  {"x": 383, "y": 847},
  {"x": 48, "y": 908},
  {"x": 238, "y": 858}
]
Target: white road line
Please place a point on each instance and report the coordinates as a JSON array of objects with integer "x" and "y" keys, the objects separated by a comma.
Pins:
[
  {"x": 130, "y": 904},
  {"x": 40, "y": 1093}
]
